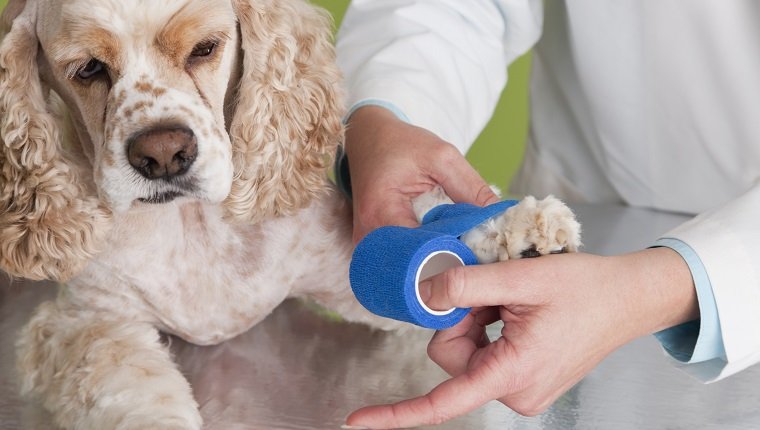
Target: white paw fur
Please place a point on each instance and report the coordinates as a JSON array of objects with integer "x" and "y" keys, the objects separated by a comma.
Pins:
[{"x": 534, "y": 226}]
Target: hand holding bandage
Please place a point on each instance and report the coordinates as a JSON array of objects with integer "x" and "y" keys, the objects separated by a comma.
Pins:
[
  {"x": 389, "y": 263},
  {"x": 558, "y": 316}
]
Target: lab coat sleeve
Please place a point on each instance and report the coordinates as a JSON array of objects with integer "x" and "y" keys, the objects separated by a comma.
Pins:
[
  {"x": 438, "y": 64},
  {"x": 726, "y": 240},
  {"x": 700, "y": 340}
]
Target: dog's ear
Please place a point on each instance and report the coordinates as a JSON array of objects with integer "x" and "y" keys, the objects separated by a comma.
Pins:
[
  {"x": 287, "y": 123},
  {"x": 48, "y": 227},
  {"x": 12, "y": 10}
]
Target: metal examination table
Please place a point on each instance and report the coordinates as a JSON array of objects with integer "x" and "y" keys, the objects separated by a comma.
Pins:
[{"x": 300, "y": 370}]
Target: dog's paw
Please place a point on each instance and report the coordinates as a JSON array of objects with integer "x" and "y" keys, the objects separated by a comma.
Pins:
[
  {"x": 428, "y": 200},
  {"x": 529, "y": 229},
  {"x": 538, "y": 227},
  {"x": 487, "y": 240}
]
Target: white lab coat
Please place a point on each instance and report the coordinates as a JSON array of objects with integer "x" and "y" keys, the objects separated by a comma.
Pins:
[{"x": 654, "y": 104}]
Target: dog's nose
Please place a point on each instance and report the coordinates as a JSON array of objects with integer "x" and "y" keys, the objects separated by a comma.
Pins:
[{"x": 162, "y": 152}]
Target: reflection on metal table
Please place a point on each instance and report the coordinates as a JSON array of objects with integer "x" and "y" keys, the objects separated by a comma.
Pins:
[{"x": 301, "y": 370}]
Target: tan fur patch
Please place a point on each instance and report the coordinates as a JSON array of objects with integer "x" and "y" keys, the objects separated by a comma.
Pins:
[
  {"x": 143, "y": 87},
  {"x": 83, "y": 43},
  {"x": 188, "y": 27}
]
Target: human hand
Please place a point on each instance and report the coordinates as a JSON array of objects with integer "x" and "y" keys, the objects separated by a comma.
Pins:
[
  {"x": 391, "y": 162},
  {"x": 562, "y": 315}
]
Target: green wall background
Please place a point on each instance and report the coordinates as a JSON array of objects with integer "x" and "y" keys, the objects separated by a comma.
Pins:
[{"x": 499, "y": 149}]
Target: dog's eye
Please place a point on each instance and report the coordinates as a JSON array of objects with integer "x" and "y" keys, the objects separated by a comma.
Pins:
[
  {"x": 203, "y": 49},
  {"x": 92, "y": 68}
]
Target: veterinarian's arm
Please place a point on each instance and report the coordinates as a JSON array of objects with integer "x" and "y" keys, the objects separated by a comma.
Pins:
[
  {"x": 725, "y": 241},
  {"x": 563, "y": 314},
  {"x": 423, "y": 76},
  {"x": 439, "y": 64}
]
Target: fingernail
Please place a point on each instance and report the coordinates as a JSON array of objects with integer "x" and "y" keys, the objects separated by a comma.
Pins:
[
  {"x": 348, "y": 427},
  {"x": 426, "y": 291},
  {"x": 493, "y": 200}
]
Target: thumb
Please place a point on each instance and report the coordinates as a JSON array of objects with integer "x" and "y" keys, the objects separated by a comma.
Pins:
[
  {"x": 469, "y": 286},
  {"x": 464, "y": 185}
]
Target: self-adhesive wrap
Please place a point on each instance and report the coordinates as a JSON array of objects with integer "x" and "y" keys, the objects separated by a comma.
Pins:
[{"x": 389, "y": 263}]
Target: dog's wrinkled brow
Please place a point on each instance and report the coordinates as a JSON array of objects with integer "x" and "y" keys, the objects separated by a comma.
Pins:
[
  {"x": 87, "y": 33},
  {"x": 77, "y": 46},
  {"x": 193, "y": 23}
]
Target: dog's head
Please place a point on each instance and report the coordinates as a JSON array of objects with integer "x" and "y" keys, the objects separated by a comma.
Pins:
[{"x": 227, "y": 101}]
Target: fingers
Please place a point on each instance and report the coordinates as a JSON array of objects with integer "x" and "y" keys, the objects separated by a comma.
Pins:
[
  {"x": 473, "y": 286},
  {"x": 452, "y": 349},
  {"x": 392, "y": 161},
  {"x": 448, "y": 400},
  {"x": 475, "y": 191},
  {"x": 460, "y": 180}
]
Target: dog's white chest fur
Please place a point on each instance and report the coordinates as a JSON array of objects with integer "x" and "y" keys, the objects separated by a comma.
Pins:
[{"x": 182, "y": 267}]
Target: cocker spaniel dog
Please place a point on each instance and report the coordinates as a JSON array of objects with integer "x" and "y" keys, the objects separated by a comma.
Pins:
[{"x": 165, "y": 159}]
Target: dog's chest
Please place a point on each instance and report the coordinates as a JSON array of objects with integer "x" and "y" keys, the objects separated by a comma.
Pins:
[{"x": 199, "y": 277}]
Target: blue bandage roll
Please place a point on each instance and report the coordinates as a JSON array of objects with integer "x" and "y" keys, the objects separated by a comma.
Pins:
[
  {"x": 389, "y": 263},
  {"x": 385, "y": 278}
]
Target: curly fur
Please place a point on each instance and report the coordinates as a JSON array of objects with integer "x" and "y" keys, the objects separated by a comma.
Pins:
[
  {"x": 287, "y": 123},
  {"x": 50, "y": 226}
]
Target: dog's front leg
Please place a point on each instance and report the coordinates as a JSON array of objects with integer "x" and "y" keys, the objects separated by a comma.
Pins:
[{"x": 92, "y": 371}]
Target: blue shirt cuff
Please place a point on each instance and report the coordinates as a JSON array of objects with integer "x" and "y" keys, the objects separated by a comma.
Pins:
[
  {"x": 380, "y": 103},
  {"x": 700, "y": 340}
]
